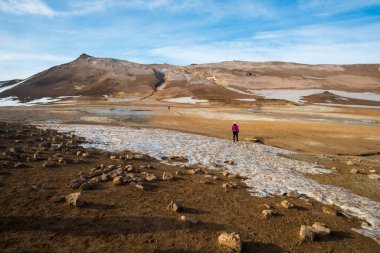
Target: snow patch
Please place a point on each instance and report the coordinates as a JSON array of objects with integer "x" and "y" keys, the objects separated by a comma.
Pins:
[
  {"x": 185, "y": 100},
  {"x": 246, "y": 99},
  {"x": 14, "y": 101},
  {"x": 267, "y": 173},
  {"x": 296, "y": 95}
]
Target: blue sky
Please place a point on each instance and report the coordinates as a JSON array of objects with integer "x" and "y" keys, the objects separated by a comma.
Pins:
[{"x": 38, "y": 34}]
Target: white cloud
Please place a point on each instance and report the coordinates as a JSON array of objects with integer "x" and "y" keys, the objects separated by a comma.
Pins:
[
  {"x": 35, "y": 7},
  {"x": 309, "y": 44}
]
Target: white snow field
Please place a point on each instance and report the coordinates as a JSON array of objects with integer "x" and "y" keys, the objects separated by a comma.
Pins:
[
  {"x": 14, "y": 101},
  {"x": 185, "y": 100},
  {"x": 267, "y": 173},
  {"x": 296, "y": 95}
]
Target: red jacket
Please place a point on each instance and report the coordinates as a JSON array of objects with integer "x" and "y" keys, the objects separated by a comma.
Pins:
[{"x": 235, "y": 128}]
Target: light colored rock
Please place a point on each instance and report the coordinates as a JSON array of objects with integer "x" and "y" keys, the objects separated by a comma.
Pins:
[
  {"x": 227, "y": 185},
  {"x": 372, "y": 171},
  {"x": 118, "y": 180},
  {"x": 141, "y": 186},
  {"x": 354, "y": 171},
  {"x": 231, "y": 241},
  {"x": 174, "y": 207},
  {"x": 287, "y": 204},
  {"x": 188, "y": 220},
  {"x": 349, "y": 163},
  {"x": 307, "y": 232},
  {"x": 225, "y": 173},
  {"x": 151, "y": 178},
  {"x": 321, "y": 229},
  {"x": 268, "y": 213},
  {"x": 75, "y": 199},
  {"x": 293, "y": 194},
  {"x": 166, "y": 176},
  {"x": 329, "y": 210},
  {"x": 374, "y": 176}
]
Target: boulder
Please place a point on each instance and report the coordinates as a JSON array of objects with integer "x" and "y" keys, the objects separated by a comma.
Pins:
[
  {"x": 231, "y": 241},
  {"x": 286, "y": 204},
  {"x": 307, "y": 232},
  {"x": 268, "y": 213},
  {"x": 151, "y": 178},
  {"x": 329, "y": 210},
  {"x": 349, "y": 163},
  {"x": 118, "y": 180},
  {"x": 86, "y": 186},
  {"x": 76, "y": 183},
  {"x": 354, "y": 171},
  {"x": 188, "y": 220},
  {"x": 174, "y": 207},
  {"x": 225, "y": 173},
  {"x": 321, "y": 229},
  {"x": 166, "y": 176},
  {"x": 141, "y": 186},
  {"x": 75, "y": 199}
]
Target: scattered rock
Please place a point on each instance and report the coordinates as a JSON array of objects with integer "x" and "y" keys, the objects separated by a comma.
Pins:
[
  {"x": 76, "y": 183},
  {"x": 329, "y": 210},
  {"x": 75, "y": 199},
  {"x": 105, "y": 178},
  {"x": 230, "y": 162},
  {"x": 19, "y": 165},
  {"x": 118, "y": 180},
  {"x": 227, "y": 185},
  {"x": 231, "y": 241},
  {"x": 374, "y": 176},
  {"x": 349, "y": 163},
  {"x": 141, "y": 186},
  {"x": 86, "y": 186},
  {"x": 174, "y": 207},
  {"x": 372, "y": 171},
  {"x": 225, "y": 173},
  {"x": 59, "y": 199},
  {"x": 166, "y": 176},
  {"x": 49, "y": 164},
  {"x": 188, "y": 220},
  {"x": 293, "y": 194},
  {"x": 286, "y": 204},
  {"x": 321, "y": 229},
  {"x": 268, "y": 213},
  {"x": 307, "y": 232},
  {"x": 354, "y": 171},
  {"x": 317, "y": 230},
  {"x": 151, "y": 178}
]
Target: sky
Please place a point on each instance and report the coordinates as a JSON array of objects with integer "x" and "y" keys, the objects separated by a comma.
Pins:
[{"x": 38, "y": 34}]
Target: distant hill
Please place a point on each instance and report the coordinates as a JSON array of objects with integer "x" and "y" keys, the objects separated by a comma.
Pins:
[{"x": 90, "y": 76}]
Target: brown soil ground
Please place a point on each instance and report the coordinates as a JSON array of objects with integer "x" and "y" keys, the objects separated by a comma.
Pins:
[{"x": 127, "y": 219}]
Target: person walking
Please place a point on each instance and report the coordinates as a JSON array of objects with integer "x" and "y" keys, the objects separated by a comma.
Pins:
[{"x": 235, "y": 132}]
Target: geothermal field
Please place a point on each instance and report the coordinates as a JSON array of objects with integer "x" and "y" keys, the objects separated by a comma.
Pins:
[{"x": 105, "y": 155}]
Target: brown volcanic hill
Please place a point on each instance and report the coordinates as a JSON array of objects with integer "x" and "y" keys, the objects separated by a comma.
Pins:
[
  {"x": 89, "y": 76},
  {"x": 225, "y": 81}
]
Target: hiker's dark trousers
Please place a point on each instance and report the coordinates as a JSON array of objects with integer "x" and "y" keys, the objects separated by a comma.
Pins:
[{"x": 235, "y": 135}]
